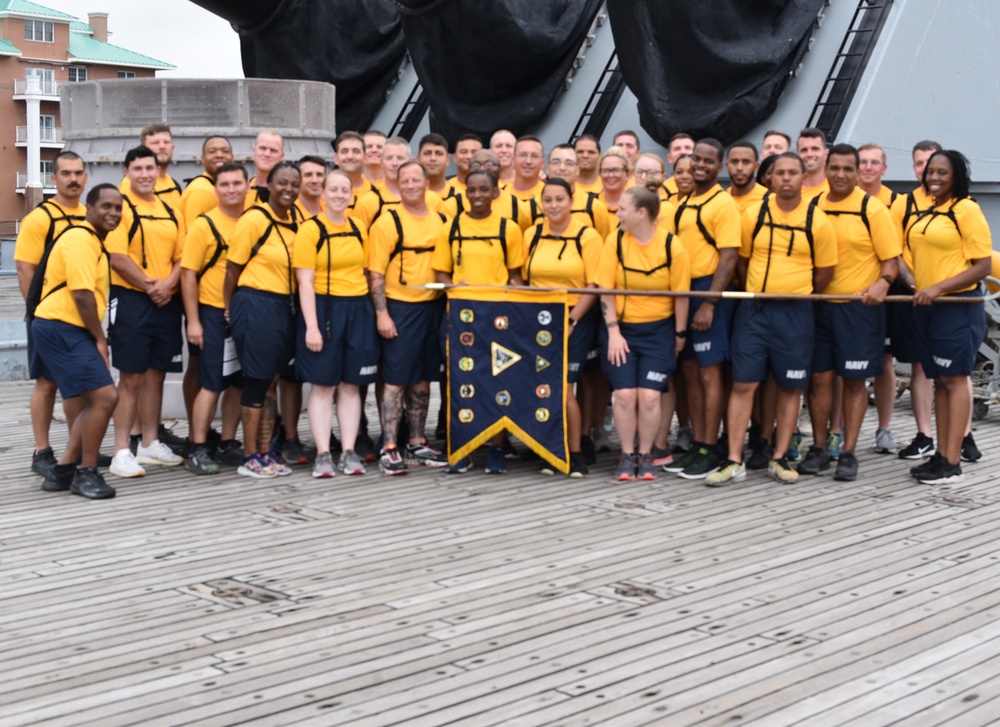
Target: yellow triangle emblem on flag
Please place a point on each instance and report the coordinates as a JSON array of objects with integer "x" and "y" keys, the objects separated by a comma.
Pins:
[
  {"x": 503, "y": 358},
  {"x": 541, "y": 363}
]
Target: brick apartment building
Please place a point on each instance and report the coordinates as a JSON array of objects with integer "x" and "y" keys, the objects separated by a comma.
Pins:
[{"x": 55, "y": 48}]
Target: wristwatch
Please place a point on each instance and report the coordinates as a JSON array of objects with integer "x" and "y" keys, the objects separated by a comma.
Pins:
[{"x": 681, "y": 334}]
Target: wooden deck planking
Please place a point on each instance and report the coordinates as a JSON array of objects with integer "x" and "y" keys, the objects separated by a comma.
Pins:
[{"x": 479, "y": 599}]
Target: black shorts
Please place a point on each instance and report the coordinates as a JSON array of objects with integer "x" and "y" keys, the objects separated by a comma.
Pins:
[
  {"x": 144, "y": 336},
  {"x": 264, "y": 331}
]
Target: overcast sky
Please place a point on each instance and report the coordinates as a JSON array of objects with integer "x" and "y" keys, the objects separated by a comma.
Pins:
[{"x": 178, "y": 32}]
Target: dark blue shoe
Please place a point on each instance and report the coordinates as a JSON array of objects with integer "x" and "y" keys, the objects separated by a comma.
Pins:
[
  {"x": 459, "y": 468},
  {"x": 495, "y": 463}
]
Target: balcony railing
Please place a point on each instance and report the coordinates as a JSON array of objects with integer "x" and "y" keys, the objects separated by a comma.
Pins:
[
  {"x": 22, "y": 182},
  {"x": 46, "y": 135},
  {"x": 46, "y": 87}
]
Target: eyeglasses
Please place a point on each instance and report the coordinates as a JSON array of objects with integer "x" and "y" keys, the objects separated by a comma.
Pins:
[
  {"x": 562, "y": 163},
  {"x": 479, "y": 165},
  {"x": 612, "y": 172},
  {"x": 646, "y": 172}
]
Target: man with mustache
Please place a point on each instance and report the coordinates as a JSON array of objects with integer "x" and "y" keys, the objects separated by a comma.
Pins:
[{"x": 37, "y": 232}]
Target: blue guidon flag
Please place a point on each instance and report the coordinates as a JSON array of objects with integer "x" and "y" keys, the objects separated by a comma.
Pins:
[{"x": 507, "y": 370}]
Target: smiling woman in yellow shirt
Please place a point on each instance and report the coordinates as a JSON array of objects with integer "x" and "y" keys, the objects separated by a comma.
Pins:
[{"x": 259, "y": 292}]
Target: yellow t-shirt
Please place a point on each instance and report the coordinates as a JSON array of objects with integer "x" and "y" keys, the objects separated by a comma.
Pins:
[
  {"x": 671, "y": 186},
  {"x": 904, "y": 210},
  {"x": 859, "y": 252},
  {"x": 340, "y": 260},
  {"x": 165, "y": 188},
  {"x": 199, "y": 247},
  {"x": 412, "y": 264},
  {"x": 644, "y": 267},
  {"x": 756, "y": 194},
  {"x": 994, "y": 272},
  {"x": 79, "y": 261},
  {"x": 302, "y": 214},
  {"x": 808, "y": 193},
  {"x": 34, "y": 229},
  {"x": 556, "y": 262},
  {"x": 372, "y": 205},
  {"x": 360, "y": 192},
  {"x": 720, "y": 217},
  {"x": 506, "y": 204},
  {"x": 254, "y": 196},
  {"x": 156, "y": 244},
  {"x": 595, "y": 187},
  {"x": 474, "y": 254},
  {"x": 270, "y": 269},
  {"x": 453, "y": 187},
  {"x": 942, "y": 247},
  {"x": 199, "y": 197},
  {"x": 591, "y": 211},
  {"x": 886, "y": 196},
  {"x": 780, "y": 258},
  {"x": 531, "y": 197}
]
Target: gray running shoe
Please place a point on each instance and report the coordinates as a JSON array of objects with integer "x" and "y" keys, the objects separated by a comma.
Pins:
[
  {"x": 323, "y": 466},
  {"x": 351, "y": 463},
  {"x": 885, "y": 443}
]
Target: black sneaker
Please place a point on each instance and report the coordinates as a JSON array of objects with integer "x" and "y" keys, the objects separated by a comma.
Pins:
[
  {"x": 200, "y": 461},
  {"x": 929, "y": 466},
  {"x": 293, "y": 452},
  {"x": 816, "y": 460},
  {"x": 847, "y": 467},
  {"x": 625, "y": 471},
  {"x": 577, "y": 467},
  {"x": 390, "y": 461},
  {"x": 587, "y": 450},
  {"x": 43, "y": 461},
  {"x": 922, "y": 446},
  {"x": 60, "y": 478},
  {"x": 89, "y": 483},
  {"x": 230, "y": 452},
  {"x": 365, "y": 447},
  {"x": 944, "y": 473},
  {"x": 681, "y": 461},
  {"x": 104, "y": 460},
  {"x": 970, "y": 452},
  {"x": 177, "y": 445},
  {"x": 706, "y": 462},
  {"x": 760, "y": 456}
]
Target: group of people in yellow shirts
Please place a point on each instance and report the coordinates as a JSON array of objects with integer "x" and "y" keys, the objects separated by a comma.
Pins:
[{"x": 302, "y": 274}]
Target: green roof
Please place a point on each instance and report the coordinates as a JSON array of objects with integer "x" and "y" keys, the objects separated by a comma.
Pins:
[
  {"x": 77, "y": 27},
  {"x": 7, "y": 48},
  {"x": 23, "y": 7},
  {"x": 85, "y": 48}
]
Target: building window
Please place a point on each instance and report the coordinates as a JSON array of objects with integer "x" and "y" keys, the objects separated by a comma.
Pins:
[
  {"x": 42, "y": 31},
  {"x": 47, "y": 128},
  {"x": 126, "y": 74},
  {"x": 46, "y": 79},
  {"x": 77, "y": 74},
  {"x": 47, "y": 170}
]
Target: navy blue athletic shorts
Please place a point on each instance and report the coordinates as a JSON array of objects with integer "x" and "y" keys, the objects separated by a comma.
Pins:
[
  {"x": 36, "y": 367},
  {"x": 144, "y": 336},
  {"x": 582, "y": 346},
  {"x": 264, "y": 331},
  {"x": 776, "y": 336},
  {"x": 651, "y": 358},
  {"x": 414, "y": 355},
  {"x": 211, "y": 354},
  {"x": 350, "y": 349},
  {"x": 949, "y": 335},
  {"x": 850, "y": 339},
  {"x": 70, "y": 354},
  {"x": 709, "y": 347}
]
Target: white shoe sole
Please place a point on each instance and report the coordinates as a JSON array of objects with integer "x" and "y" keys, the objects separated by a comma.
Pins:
[
  {"x": 119, "y": 473},
  {"x": 154, "y": 461}
]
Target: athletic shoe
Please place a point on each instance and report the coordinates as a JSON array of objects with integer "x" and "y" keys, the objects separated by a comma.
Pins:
[
  {"x": 230, "y": 452},
  {"x": 280, "y": 469},
  {"x": 847, "y": 467},
  {"x": 577, "y": 467},
  {"x": 59, "y": 478},
  {"x": 509, "y": 450},
  {"x": 391, "y": 463},
  {"x": 601, "y": 441},
  {"x": 625, "y": 471},
  {"x": 425, "y": 454},
  {"x": 706, "y": 462},
  {"x": 645, "y": 469},
  {"x": 661, "y": 456},
  {"x": 834, "y": 443},
  {"x": 200, "y": 462},
  {"x": 760, "y": 456},
  {"x": 970, "y": 452},
  {"x": 546, "y": 469},
  {"x": 729, "y": 473},
  {"x": 293, "y": 452},
  {"x": 816, "y": 460},
  {"x": 43, "y": 462},
  {"x": 753, "y": 436},
  {"x": 350, "y": 463},
  {"x": 256, "y": 467},
  {"x": 124, "y": 464},
  {"x": 588, "y": 450},
  {"x": 323, "y": 466},
  {"x": 134, "y": 440},
  {"x": 684, "y": 439},
  {"x": 495, "y": 462},
  {"x": 803, "y": 424},
  {"x": 157, "y": 453},
  {"x": 782, "y": 472},
  {"x": 459, "y": 468},
  {"x": 364, "y": 447},
  {"x": 682, "y": 460},
  {"x": 89, "y": 482},
  {"x": 177, "y": 445},
  {"x": 921, "y": 447},
  {"x": 944, "y": 473},
  {"x": 929, "y": 466},
  {"x": 794, "y": 453},
  {"x": 885, "y": 443}
]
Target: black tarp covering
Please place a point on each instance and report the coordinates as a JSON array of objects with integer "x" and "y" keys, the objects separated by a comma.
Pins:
[
  {"x": 493, "y": 65},
  {"x": 357, "y": 46},
  {"x": 709, "y": 68}
]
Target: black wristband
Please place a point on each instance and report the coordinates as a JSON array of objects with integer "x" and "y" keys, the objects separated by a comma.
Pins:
[
  {"x": 681, "y": 334},
  {"x": 888, "y": 279}
]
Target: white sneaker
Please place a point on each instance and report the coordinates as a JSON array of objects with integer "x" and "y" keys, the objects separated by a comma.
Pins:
[
  {"x": 124, "y": 464},
  {"x": 157, "y": 453}
]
